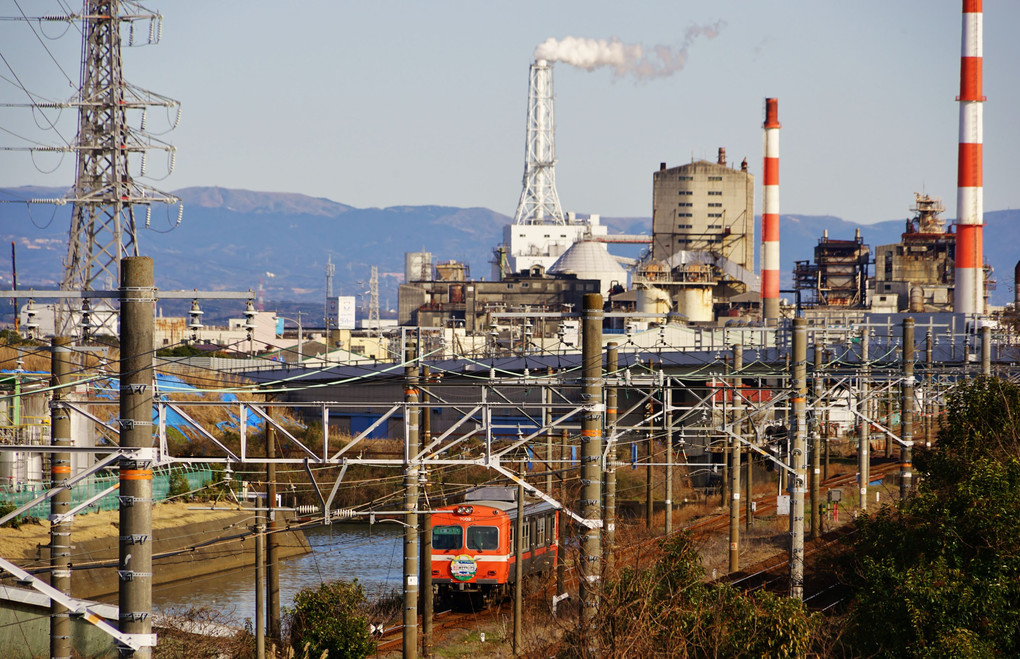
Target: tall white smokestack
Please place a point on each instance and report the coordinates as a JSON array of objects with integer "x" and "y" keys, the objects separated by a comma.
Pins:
[
  {"x": 540, "y": 203},
  {"x": 770, "y": 214},
  {"x": 968, "y": 296}
]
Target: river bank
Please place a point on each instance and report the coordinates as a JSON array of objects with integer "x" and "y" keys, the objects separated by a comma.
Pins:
[{"x": 187, "y": 543}]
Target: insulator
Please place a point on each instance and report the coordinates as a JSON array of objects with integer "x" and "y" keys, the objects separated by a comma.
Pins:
[
  {"x": 152, "y": 30},
  {"x": 307, "y": 510},
  {"x": 145, "y": 161},
  {"x": 173, "y": 161},
  {"x": 344, "y": 513},
  {"x": 249, "y": 316},
  {"x": 177, "y": 121},
  {"x": 148, "y": 216},
  {"x": 196, "y": 317},
  {"x": 145, "y": 116},
  {"x": 180, "y": 214},
  {"x": 131, "y": 33},
  {"x": 159, "y": 29}
]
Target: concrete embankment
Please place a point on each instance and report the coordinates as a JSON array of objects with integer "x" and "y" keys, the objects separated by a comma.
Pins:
[{"x": 187, "y": 543}]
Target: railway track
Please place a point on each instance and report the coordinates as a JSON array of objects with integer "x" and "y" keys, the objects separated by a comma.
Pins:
[{"x": 767, "y": 574}]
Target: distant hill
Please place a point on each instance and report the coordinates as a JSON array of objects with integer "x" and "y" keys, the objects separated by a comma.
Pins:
[{"x": 229, "y": 238}]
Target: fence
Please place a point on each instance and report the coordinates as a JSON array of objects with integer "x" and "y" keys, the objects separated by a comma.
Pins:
[{"x": 196, "y": 476}]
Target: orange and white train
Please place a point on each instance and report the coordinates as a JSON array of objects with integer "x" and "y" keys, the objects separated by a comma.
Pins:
[{"x": 473, "y": 545}]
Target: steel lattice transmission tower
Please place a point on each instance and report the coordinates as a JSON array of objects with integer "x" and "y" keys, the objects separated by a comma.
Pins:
[
  {"x": 540, "y": 203},
  {"x": 104, "y": 227}
]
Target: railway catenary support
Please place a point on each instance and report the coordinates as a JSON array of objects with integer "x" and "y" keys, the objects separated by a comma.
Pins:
[
  {"x": 667, "y": 426},
  {"x": 816, "y": 445},
  {"x": 907, "y": 408},
  {"x": 609, "y": 531},
  {"x": 137, "y": 297},
  {"x": 60, "y": 504},
  {"x": 738, "y": 430},
  {"x": 260, "y": 584},
  {"x": 411, "y": 447},
  {"x": 427, "y": 600},
  {"x": 929, "y": 390},
  {"x": 273, "y": 525},
  {"x": 798, "y": 481},
  {"x": 561, "y": 535},
  {"x": 986, "y": 351},
  {"x": 591, "y": 468},
  {"x": 519, "y": 574},
  {"x": 547, "y": 417},
  {"x": 864, "y": 437}
]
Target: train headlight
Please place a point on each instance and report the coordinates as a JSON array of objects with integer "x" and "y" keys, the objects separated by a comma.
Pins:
[{"x": 464, "y": 510}]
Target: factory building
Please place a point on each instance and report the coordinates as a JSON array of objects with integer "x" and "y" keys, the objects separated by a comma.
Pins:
[
  {"x": 702, "y": 252},
  {"x": 453, "y": 300},
  {"x": 917, "y": 273},
  {"x": 838, "y": 277}
]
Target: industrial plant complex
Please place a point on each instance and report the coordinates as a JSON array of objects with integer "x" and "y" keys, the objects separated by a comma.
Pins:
[{"x": 492, "y": 420}]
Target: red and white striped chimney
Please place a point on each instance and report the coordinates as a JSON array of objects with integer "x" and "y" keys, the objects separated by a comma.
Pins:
[
  {"x": 770, "y": 215},
  {"x": 968, "y": 296}
]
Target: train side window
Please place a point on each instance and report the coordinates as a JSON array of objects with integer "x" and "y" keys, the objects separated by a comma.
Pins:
[
  {"x": 483, "y": 538},
  {"x": 527, "y": 536},
  {"x": 540, "y": 531},
  {"x": 447, "y": 537}
]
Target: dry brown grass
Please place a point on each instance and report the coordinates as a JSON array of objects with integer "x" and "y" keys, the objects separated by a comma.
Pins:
[{"x": 21, "y": 543}]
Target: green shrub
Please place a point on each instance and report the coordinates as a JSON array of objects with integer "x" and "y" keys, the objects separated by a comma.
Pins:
[{"x": 331, "y": 618}]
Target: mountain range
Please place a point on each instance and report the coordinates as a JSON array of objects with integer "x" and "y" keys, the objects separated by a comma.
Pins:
[{"x": 228, "y": 239}]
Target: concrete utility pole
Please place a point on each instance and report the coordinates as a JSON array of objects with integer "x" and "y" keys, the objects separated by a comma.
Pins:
[
  {"x": 864, "y": 445},
  {"x": 519, "y": 572},
  {"x": 609, "y": 532},
  {"x": 738, "y": 429},
  {"x": 591, "y": 466},
  {"x": 907, "y": 408},
  {"x": 137, "y": 298},
  {"x": 561, "y": 549},
  {"x": 799, "y": 479},
  {"x": 547, "y": 416},
  {"x": 929, "y": 406},
  {"x": 411, "y": 448},
  {"x": 60, "y": 504},
  {"x": 272, "y": 538},
  {"x": 667, "y": 425},
  {"x": 426, "y": 527},
  {"x": 816, "y": 447},
  {"x": 260, "y": 584},
  {"x": 986, "y": 351}
]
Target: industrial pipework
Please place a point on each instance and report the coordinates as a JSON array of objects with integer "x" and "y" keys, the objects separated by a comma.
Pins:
[
  {"x": 770, "y": 214},
  {"x": 968, "y": 296}
]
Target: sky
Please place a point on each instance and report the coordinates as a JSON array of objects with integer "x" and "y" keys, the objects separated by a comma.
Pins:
[{"x": 391, "y": 103}]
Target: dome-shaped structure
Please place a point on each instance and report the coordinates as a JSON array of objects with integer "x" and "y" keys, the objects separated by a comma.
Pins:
[{"x": 590, "y": 260}]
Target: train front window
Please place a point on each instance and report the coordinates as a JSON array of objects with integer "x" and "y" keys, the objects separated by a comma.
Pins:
[
  {"x": 447, "y": 537},
  {"x": 482, "y": 538}
]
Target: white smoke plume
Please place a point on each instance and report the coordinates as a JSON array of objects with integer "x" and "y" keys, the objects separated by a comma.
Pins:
[{"x": 623, "y": 58}]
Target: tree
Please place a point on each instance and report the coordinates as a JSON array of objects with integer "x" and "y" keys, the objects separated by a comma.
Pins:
[
  {"x": 940, "y": 575},
  {"x": 331, "y": 618}
]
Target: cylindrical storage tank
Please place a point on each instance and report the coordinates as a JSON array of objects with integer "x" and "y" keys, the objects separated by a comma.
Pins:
[
  {"x": 916, "y": 299},
  {"x": 652, "y": 300},
  {"x": 695, "y": 302},
  {"x": 457, "y": 294}
]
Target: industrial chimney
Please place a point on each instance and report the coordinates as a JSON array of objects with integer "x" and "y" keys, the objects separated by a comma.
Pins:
[
  {"x": 968, "y": 296},
  {"x": 770, "y": 215},
  {"x": 540, "y": 203}
]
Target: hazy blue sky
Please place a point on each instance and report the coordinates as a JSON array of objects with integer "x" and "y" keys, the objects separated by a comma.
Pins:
[{"x": 387, "y": 103}]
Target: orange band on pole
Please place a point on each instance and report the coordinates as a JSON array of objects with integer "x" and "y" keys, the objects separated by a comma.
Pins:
[
  {"x": 591, "y": 433},
  {"x": 136, "y": 474},
  {"x": 60, "y": 470}
]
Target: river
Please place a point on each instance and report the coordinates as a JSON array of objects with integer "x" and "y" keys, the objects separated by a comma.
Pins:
[{"x": 372, "y": 554}]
